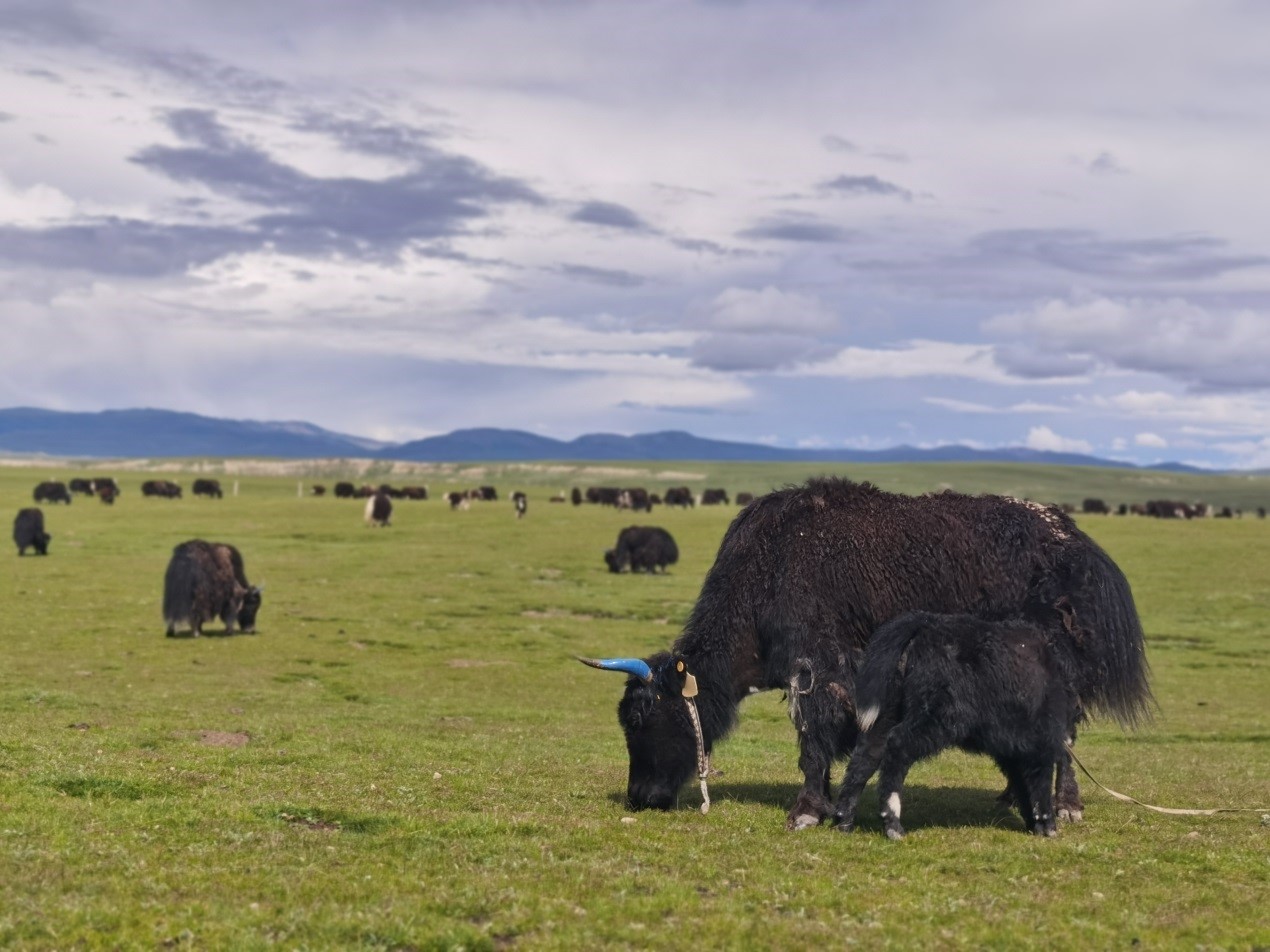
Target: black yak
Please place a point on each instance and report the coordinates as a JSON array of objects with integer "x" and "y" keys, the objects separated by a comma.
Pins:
[
  {"x": 51, "y": 491},
  {"x": 378, "y": 510},
  {"x": 345, "y": 490},
  {"x": 163, "y": 488},
  {"x": 679, "y": 496},
  {"x": 206, "y": 580},
  {"x": 803, "y": 577},
  {"x": 208, "y": 487},
  {"x": 521, "y": 503},
  {"x": 929, "y": 682},
  {"x": 28, "y": 532},
  {"x": 642, "y": 549}
]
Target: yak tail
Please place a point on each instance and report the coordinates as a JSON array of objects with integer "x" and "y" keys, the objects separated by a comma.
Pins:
[
  {"x": 1110, "y": 638},
  {"x": 178, "y": 591},
  {"x": 881, "y": 665}
]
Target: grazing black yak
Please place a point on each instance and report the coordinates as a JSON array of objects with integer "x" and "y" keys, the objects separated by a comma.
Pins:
[
  {"x": 929, "y": 682},
  {"x": 803, "y": 577},
  {"x": 206, "y": 580},
  {"x": 51, "y": 491},
  {"x": 642, "y": 549},
  {"x": 209, "y": 488},
  {"x": 28, "y": 532}
]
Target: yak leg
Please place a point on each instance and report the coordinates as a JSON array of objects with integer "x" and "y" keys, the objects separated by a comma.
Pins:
[
  {"x": 1038, "y": 774},
  {"x": 1066, "y": 791},
  {"x": 812, "y": 804},
  {"x": 864, "y": 762},
  {"x": 907, "y": 743}
]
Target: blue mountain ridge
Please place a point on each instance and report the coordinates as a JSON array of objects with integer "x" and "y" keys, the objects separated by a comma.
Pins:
[{"x": 167, "y": 433}]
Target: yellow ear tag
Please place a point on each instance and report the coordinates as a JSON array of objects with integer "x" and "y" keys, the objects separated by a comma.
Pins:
[
  {"x": 690, "y": 685},
  {"x": 679, "y": 666}
]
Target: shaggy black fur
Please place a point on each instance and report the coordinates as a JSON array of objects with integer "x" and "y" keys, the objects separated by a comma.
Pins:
[
  {"x": 805, "y": 574},
  {"x": 642, "y": 549},
  {"x": 206, "y": 580},
  {"x": 929, "y": 682},
  {"x": 28, "y": 532}
]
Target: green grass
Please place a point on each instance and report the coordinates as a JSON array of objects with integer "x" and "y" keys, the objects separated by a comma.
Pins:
[{"x": 406, "y": 757}]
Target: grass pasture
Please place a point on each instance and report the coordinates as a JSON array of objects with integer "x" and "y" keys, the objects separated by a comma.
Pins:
[{"x": 406, "y": 757}]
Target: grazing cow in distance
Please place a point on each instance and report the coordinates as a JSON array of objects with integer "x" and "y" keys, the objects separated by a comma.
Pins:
[
  {"x": 206, "y": 580},
  {"x": 803, "y": 577},
  {"x": 107, "y": 494},
  {"x": 1261, "y": 512},
  {"x": 414, "y": 492},
  {"x": 318, "y": 489},
  {"x": 208, "y": 487},
  {"x": 642, "y": 549},
  {"x": 487, "y": 494},
  {"x": 163, "y": 488},
  {"x": 1096, "y": 506},
  {"x": 929, "y": 682},
  {"x": 744, "y": 499},
  {"x": 714, "y": 497},
  {"x": 100, "y": 481},
  {"x": 457, "y": 500},
  {"x": 345, "y": 490},
  {"x": 28, "y": 532},
  {"x": 378, "y": 510},
  {"x": 82, "y": 486},
  {"x": 52, "y": 491},
  {"x": 679, "y": 496},
  {"x": 521, "y": 502},
  {"x": 637, "y": 499},
  {"x": 576, "y": 496},
  {"x": 604, "y": 495},
  {"x": 558, "y": 497}
]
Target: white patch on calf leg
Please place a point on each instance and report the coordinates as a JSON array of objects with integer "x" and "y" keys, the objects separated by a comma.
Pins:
[
  {"x": 893, "y": 803},
  {"x": 868, "y": 716}
]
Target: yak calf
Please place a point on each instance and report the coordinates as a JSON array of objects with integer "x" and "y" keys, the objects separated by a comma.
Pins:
[
  {"x": 206, "y": 580},
  {"x": 929, "y": 682}
]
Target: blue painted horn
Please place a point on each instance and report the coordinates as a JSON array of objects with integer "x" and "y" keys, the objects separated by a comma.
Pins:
[{"x": 634, "y": 666}]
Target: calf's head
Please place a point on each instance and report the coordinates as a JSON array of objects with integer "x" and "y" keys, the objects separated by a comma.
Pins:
[{"x": 250, "y": 606}]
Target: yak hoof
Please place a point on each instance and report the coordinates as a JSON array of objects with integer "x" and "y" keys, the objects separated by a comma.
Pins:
[
  {"x": 1071, "y": 814},
  {"x": 803, "y": 821},
  {"x": 894, "y": 834}
]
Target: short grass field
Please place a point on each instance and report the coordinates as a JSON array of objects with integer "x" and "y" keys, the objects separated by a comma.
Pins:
[{"x": 406, "y": 756}]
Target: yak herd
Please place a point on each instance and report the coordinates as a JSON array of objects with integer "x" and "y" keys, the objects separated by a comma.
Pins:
[{"x": 896, "y": 626}]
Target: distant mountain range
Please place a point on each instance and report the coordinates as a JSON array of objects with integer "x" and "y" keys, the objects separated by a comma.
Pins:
[{"x": 129, "y": 434}]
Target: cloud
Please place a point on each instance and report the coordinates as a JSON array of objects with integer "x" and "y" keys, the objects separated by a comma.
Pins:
[
  {"x": 609, "y": 215},
  {"x": 1043, "y": 438},
  {"x": 611, "y": 277},
  {"x": 1080, "y": 251},
  {"x": 1171, "y": 337},
  {"x": 1202, "y": 414},
  {"x": 797, "y": 228},
  {"x": 1150, "y": 439},
  {"x": 756, "y": 330},
  {"x": 966, "y": 406},
  {"x": 833, "y": 143},
  {"x": 865, "y": 185},
  {"x": 917, "y": 358},
  {"x": 1106, "y": 164}
]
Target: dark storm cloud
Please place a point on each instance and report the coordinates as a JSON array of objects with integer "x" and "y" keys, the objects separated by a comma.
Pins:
[
  {"x": 607, "y": 276},
  {"x": 609, "y": 215},
  {"x": 1187, "y": 257},
  {"x": 796, "y": 228},
  {"x": 865, "y": 185},
  {"x": 315, "y": 215}
]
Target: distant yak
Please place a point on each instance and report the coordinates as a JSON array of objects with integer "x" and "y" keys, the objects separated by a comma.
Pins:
[{"x": 206, "y": 580}]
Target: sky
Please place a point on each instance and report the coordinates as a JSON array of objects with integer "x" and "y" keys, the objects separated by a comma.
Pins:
[{"x": 806, "y": 224}]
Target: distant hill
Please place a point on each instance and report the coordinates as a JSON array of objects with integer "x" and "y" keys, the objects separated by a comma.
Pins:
[
  {"x": 128, "y": 434},
  {"x": 144, "y": 433}
]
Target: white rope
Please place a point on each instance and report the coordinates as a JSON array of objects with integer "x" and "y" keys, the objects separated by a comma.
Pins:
[
  {"x": 703, "y": 759},
  {"x": 1170, "y": 810}
]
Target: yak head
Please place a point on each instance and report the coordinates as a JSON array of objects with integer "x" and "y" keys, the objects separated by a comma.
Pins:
[
  {"x": 610, "y": 557},
  {"x": 659, "y": 732},
  {"x": 250, "y": 606}
]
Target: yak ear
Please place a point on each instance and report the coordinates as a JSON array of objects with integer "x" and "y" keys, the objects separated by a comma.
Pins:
[{"x": 633, "y": 666}]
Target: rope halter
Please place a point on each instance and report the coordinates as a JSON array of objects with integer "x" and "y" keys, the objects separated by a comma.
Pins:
[{"x": 703, "y": 759}]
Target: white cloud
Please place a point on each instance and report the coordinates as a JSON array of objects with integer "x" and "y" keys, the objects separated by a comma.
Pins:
[
  {"x": 917, "y": 358},
  {"x": 769, "y": 310},
  {"x": 1043, "y": 438},
  {"x": 1150, "y": 439},
  {"x": 967, "y": 406}
]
